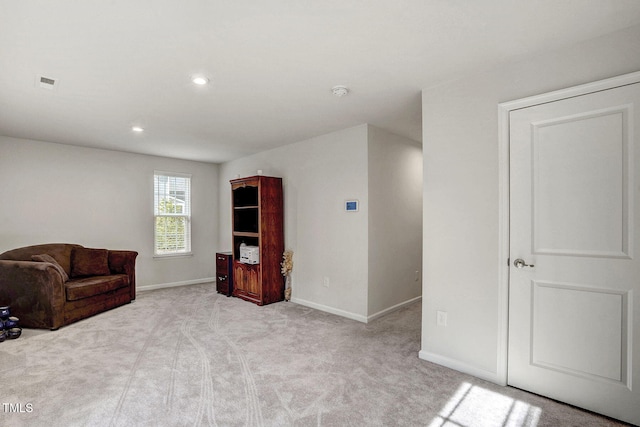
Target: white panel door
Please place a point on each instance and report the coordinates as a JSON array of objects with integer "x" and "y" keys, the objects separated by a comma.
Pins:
[{"x": 574, "y": 275}]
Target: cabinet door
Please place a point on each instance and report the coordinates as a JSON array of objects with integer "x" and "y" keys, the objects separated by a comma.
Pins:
[
  {"x": 253, "y": 285},
  {"x": 240, "y": 279},
  {"x": 246, "y": 282}
]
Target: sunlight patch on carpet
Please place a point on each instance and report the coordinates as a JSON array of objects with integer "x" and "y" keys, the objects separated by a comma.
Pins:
[{"x": 478, "y": 407}]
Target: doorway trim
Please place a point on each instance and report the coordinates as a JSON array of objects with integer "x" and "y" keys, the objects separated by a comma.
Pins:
[{"x": 503, "y": 196}]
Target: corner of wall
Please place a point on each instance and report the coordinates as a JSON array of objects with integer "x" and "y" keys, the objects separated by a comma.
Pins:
[{"x": 394, "y": 165}]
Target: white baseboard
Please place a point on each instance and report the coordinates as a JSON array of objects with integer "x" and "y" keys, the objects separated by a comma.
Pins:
[
  {"x": 393, "y": 308},
  {"x": 353, "y": 316},
  {"x": 461, "y": 367},
  {"x": 175, "y": 284},
  {"x": 331, "y": 310}
]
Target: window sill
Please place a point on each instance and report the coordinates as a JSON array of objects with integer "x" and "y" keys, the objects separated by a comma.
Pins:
[{"x": 171, "y": 256}]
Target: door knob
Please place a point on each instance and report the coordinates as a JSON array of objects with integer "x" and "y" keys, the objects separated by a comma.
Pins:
[{"x": 519, "y": 263}]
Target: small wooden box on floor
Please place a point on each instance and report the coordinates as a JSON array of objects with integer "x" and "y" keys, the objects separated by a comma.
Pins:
[
  {"x": 224, "y": 273},
  {"x": 257, "y": 205}
]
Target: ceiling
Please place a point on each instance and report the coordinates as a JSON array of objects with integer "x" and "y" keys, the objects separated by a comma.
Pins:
[{"x": 271, "y": 65}]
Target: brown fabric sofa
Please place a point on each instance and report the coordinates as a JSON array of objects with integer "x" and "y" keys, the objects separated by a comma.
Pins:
[{"x": 52, "y": 285}]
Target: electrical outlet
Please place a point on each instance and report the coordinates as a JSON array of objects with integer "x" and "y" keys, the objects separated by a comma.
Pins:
[
  {"x": 325, "y": 282},
  {"x": 441, "y": 318}
]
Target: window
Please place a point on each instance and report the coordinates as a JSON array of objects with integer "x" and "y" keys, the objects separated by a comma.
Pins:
[{"x": 172, "y": 211}]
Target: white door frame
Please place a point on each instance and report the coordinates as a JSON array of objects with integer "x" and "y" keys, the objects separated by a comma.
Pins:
[{"x": 503, "y": 193}]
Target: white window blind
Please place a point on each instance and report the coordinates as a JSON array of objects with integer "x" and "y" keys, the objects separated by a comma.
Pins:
[{"x": 172, "y": 211}]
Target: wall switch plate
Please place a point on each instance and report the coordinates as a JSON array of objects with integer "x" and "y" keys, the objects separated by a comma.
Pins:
[
  {"x": 441, "y": 318},
  {"x": 417, "y": 276}
]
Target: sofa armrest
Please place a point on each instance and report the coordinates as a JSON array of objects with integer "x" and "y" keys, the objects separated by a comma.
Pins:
[
  {"x": 34, "y": 291},
  {"x": 124, "y": 262}
]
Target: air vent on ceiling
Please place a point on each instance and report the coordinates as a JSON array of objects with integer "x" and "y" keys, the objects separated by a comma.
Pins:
[{"x": 46, "y": 82}]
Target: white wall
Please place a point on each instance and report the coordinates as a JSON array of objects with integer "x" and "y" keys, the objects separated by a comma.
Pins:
[
  {"x": 395, "y": 220},
  {"x": 460, "y": 145},
  {"x": 98, "y": 198},
  {"x": 371, "y": 268},
  {"x": 318, "y": 174}
]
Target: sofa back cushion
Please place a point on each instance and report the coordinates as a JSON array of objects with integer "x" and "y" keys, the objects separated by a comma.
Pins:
[
  {"x": 61, "y": 252},
  {"x": 89, "y": 262}
]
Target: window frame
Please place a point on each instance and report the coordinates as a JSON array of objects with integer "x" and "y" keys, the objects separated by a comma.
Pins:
[{"x": 186, "y": 215}]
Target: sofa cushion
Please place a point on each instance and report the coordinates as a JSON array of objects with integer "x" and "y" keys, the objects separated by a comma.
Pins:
[
  {"x": 61, "y": 252},
  {"x": 49, "y": 258},
  {"x": 89, "y": 286},
  {"x": 89, "y": 262}
]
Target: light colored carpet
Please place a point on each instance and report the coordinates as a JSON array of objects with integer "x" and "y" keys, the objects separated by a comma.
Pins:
[{"x": 189, "y": 357}]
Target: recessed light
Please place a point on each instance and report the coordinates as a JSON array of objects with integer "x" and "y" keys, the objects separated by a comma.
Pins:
[
  {"x": 137, "y": 129},
  {"x": 200, "y": 80}
]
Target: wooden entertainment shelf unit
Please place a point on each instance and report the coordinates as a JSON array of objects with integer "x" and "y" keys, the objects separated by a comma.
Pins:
[{"x": 257, "y": 208}]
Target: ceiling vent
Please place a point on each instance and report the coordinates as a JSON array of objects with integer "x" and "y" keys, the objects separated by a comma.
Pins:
[{"x": 46, "y": 82}]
